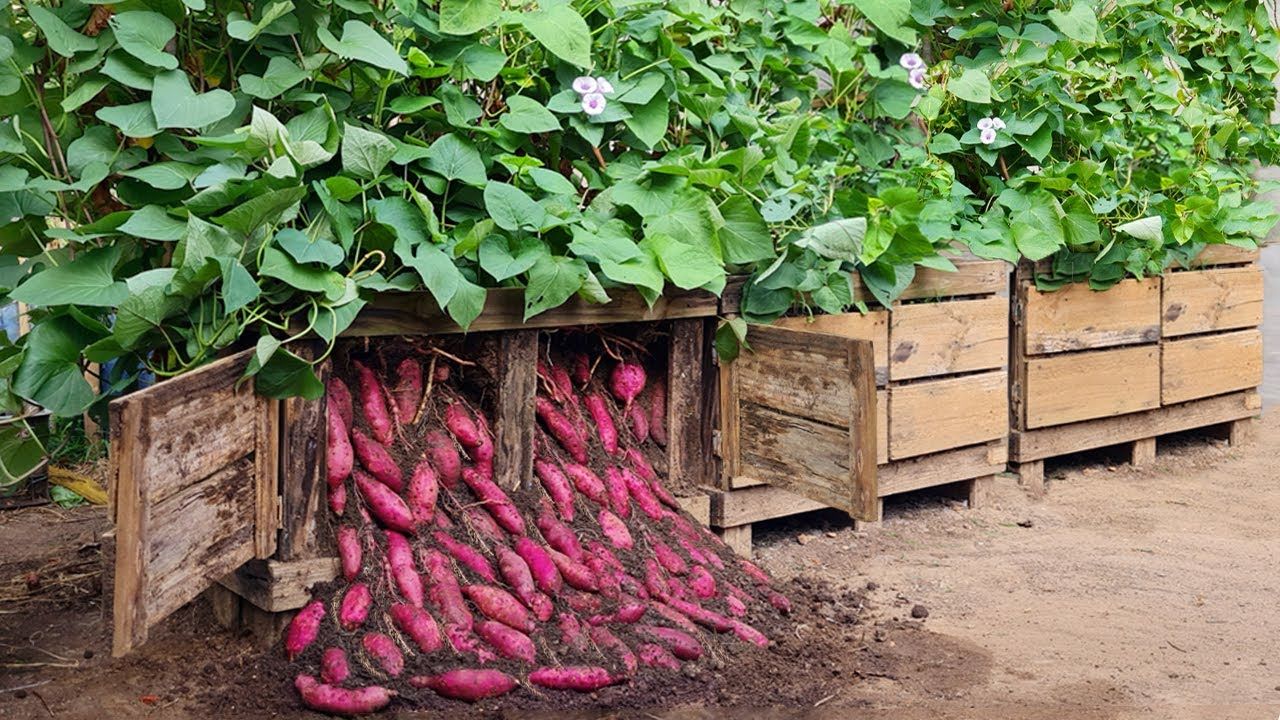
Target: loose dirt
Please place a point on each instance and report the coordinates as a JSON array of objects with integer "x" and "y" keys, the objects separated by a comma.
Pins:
[{"x": 1120, "y": 594}]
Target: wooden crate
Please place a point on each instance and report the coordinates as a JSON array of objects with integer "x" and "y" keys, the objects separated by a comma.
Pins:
[
  {"x": 941, "y": 411},
  {"x": 1143, "y": 359}
]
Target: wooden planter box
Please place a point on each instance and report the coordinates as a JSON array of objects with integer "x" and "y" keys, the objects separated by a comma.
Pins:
[
  {"x": 940, "y": 361},
  {"x": 1142, "y": 359}
]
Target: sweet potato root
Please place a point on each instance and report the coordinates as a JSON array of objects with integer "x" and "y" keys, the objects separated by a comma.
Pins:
[
  {"x": 341, "y": 701},
  {"x": 467, "y": 684}
]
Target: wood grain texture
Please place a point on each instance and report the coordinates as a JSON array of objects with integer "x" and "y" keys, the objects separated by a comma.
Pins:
[
  {"x": 699, "y": 506},
  {"x": 1100, "y": 383},
  {"x": 1200, "y": 301},
  {"x": 416, "y": 313},
  {"x": 873, "y": 326},
  {"x": 1077, "y": 318},
  {"x": 941, "y": 468},
  {"x": 743, "y": 507},
  {"x": 1221, "y": 254},
  {"x": 973, "y": 276},
  {"x": 516, "y": 420},
  {"x": 1208, "y": 365},
  {"x": 934, "y": 415},
  {"x": 688, "y": 448},
  {"x": 1032, "y": 445},
  {"x": 931, "y": 339},
  {"x": 277, "y": 586},
  {"x": 797, "y": 372},
  {"x": 303, "y": 433}
]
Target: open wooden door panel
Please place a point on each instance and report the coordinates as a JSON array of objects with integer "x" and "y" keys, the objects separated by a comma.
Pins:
[
  {"x": 194, "y": 490},
  {"x": 799, "y": 413}
]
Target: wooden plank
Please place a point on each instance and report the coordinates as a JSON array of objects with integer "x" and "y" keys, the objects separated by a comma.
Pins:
[
  {"x": 266, "y": 478},
  {"x": 1206, "y": 300},
  {"x": 873, "y": 326},
  {"x": 935, "y": 415},
  {"x": 882, "y": 426},
  {"x": 1101, "y": 383},
  {"x": 1222, "y": 254},
  {"x": 973, "y": 276},
  {"x": 1209, "y": 365},
  {"x": 1022, "y": 287},
  {"x": 1031, "y": 445},
  {"x": 862, "y": 435},
  {"x": 731, "y": 296},
  {"x": 689, "y": 443},
  {"x": 1077, "y": 318},
  {"x": 277, "y": 586},
  {"x": 516, "y": 422},
  {"x": 943, "y": 468},
  {"x": 944, "y": 338},
  {"x": 416, "y": 313},
  {"x": 797, "y": 372},
  {"x": 302, "y": 469},
  {"x": 738, "y": 539},
  {"x": 729, "y": 429},
  {"x": 131, "y": 513},
  {"x": 699, "y": 506},
  {"x": 743, "y": 507}
]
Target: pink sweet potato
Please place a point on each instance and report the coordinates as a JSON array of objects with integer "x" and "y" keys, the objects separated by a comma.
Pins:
[
  {"x": 384, "y": 504},
  {"x": 643, "y": 496},
  {"x": 674, "y": 616},
  {"x": 515, "y": 571},
  {"x": 571, "y": 632},
  {"x": 442, "y": 371},
  {"x": 561, "y": 429},
  {"x": 338, "y": 397},
  {"x": 333, "y": 666},
  {"x": 467, "y": 556},
  {"x": 658, "y": 412},
  {"x": 655, "y": 581},
  {"x": 467, "y": 684},
  {"x": 582, "y": 603},
  {"x": 423, "y": 493},
  {"x": 509, "y": 642},
  {"x": 587, "y": 482},
  {"x": 403, "y": 572},
  {"x": 780, "y": 602},
  {"x": 498, "y": 604},
  {"x": 373, "y": 456},
  {"x": 702, "y": 616},
  {"x": 662, "y": 493},
  {"x": 702, "y": 583},
  {"x": 574, "y": 572},
  {"x": 604, "y": 576},
  {"x": 626, "y": 381},
  {"x": 407, "y": 392},
  {"x": 655, "y": 656},
  {"x": 483, "y": 453},
  {"x": 326, "y": 698},
  {"x": 668, "y": 558},
  {"x": 563, "y": 384},
  {"x": 559, "y": 536},
  {"x": 678, "y": 588},
  {"x": 338, "y": 499},
  {"x": 609, "y": 642},
  {"x": 754, "y": 571},
  {"x": 338, "y": 453},
  {"x": 541, "y": 566},
  {"x": 418, "y": 625},
  {"x": 749, "y": 634},
  {"x": 600, "y": 550},
  {"x": 384, "y": 652},
  {"x": 579, "y": 678},
  {"x": 303, "y": 629},
  {"x": 619, "y": 496},
  {"x": 468, "y": 433},
  {"x": 349, "y": 551},
  {"x": 373, "y": 403},
  {"x": 495, "y": 501},
  {"x": 606, "y": 430},
  {"x": 631, "y": 585},
  {"x": 681, "y": 644},
  {"x": 477, "y": 519},
  {"x": 355, "y": 606},
  {"x": 557, "y": 487},
  {"x": 629, "y": 611},
  {"x": 444, "y": 591},
  {"x": 444, "y": 457},
  {"x": 641, "y": 466},
  {"x": 615, "y": 530},
  {"x": 581, "y": 369},
  {"x": 638, "y": 419},
  {"x": 737, "y": 607}
]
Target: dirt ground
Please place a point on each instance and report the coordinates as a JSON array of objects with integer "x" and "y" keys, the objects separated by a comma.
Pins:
[{"x": 1120, "y": 594}]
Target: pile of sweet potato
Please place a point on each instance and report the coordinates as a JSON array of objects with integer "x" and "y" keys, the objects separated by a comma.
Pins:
[{"x": 453, "y": 585}]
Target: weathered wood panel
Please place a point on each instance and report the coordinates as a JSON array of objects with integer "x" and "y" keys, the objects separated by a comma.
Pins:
[
  {"x": 277, "y": 586},
  {"x": 944, "y": 467},
  {"x": 873, "y": 326},
  {"x": 1077, "y": 318},
  {"x": 743, "y": 507},
  {"x": 1210, "y": 365},
  {"x": 516, "y": 421},
  {"x": 1207, "y": 300},
  {"x": 1221, "y": 254},
  {"x": 1100, "y": 383},
  {"x": 973, "y": 276},
  {"x": 1032, "y": 445},
  {"x": 177, "y": 535},
  {"x": 799, "y": 373},
  {"x": 935, "y": 415},
  {"x": 302, "y": 470},
  {"x": 929, "y": 339},
  {"x": 689, "y": 451}
]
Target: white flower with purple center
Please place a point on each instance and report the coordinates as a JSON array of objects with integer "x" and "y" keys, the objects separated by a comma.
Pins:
[
  {"x": 593, "y": 103},
  {"x": 585, "y": 85},
  {"x": 603, "y": 86},
  {"x": 987, "y": 136},
  {"x": 916, "y": 78},
  {"x": 911, "y": 61},
  {"x": 989, "y": 128}
]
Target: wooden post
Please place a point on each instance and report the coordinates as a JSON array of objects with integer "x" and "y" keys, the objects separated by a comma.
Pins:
[
  {"x": 303, "y": 430},
  {"x": 1144, "y": 452},
  {"x": 1242, "y": 431},
  {"x": 979, "y": 491},
  {"x": 688, "y": 427},
  {"x": 738, "y": 539},
  {"x": 517, "y": 391},
  {"x": 1030, "y": 476}
]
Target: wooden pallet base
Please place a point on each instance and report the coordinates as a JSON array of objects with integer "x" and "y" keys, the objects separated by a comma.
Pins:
[
  {"x": 970, "y": 471},
  {"x": 1029, "y": 449}
]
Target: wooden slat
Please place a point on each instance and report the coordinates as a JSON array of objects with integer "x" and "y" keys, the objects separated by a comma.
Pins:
[
  {"x": 416, "y": 313},
  {"x": 302, "y": 456},
  {"x": 689, "y": 448},
  {"x": 1209, "y": 365},
  {"x": 1032, "y": 445},
  {"x": 873, "y": 326},
  {"x": 730, "y": 440},
  {"x": 943, "y": 468},
  {"x": 699, "y": 506},
  {"x": 944, "y": 338},
  {"x": 266, "y": 476},
  {"x": 1222, "y": 254},
  {"x": 743, "y": 507},
  {"x": 882, "y": 426},
  {"x": 796, "y": 372},
  {"x": 935, "y": 415},
  {"x": 1099, "y": 383},
  {"x": 131, "y": 512},
  {"x": 516, "y": 422},
  {"x": 972, "y": 277},
  {"x": 1207, "y": 300},
  {"x": 1077, "y": 318},
  {"x": 278, "y": 586}
]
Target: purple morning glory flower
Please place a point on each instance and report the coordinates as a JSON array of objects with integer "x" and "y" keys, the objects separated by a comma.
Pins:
[
  {"x": 593, "y": 103},
  {"x": 585, "y": 85},
  {"x": 604, "y": 86},
  {"x": 997, "y": 123},
  {"x": 911, "y": 61},
  {"x": 916, "y": 78},
  {"x": 985, "y": 124},
  {"x": 988, "y": 136}
]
